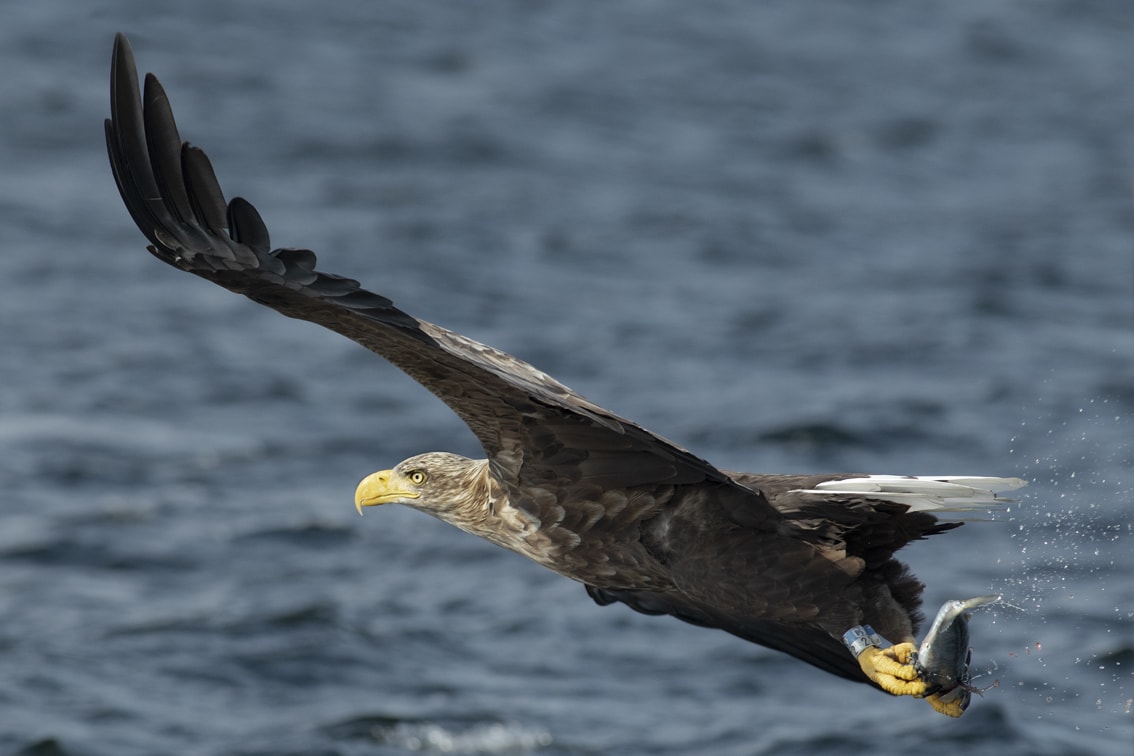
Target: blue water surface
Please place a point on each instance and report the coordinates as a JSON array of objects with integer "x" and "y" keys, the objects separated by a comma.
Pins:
[{"x": 890, "y": 237}]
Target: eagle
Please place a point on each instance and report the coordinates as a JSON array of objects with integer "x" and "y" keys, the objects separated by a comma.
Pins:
[{"x": 804, "y": 564}]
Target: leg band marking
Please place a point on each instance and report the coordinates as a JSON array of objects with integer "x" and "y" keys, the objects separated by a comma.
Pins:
[{"x": 861, "y": 637}]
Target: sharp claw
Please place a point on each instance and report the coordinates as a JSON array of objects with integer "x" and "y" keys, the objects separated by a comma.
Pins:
[{"x": 904, "y": 653}]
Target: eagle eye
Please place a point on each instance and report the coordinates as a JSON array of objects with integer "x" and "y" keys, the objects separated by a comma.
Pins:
[{"x": 417, "y": 477}]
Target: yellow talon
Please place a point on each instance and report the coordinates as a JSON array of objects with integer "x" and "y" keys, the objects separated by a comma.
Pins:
[
  {"x": 948, "y": 704},
  {"x": 891, "y": 669}
]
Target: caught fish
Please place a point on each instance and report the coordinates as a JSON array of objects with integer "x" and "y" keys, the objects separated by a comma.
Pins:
[{"x": 944, "y": 656}]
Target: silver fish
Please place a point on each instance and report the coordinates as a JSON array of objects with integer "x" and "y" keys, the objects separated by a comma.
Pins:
[{"x": 944, "y": 656}]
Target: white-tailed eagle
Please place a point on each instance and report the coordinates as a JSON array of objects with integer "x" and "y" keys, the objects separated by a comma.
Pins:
[{"x": 792, "y": 562}]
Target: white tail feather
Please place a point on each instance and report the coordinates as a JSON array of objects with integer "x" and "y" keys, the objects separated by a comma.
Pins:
[{"x": 940, "y": 493}]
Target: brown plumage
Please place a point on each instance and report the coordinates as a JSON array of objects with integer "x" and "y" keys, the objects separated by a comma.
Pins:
[{"x": 790, "y": 562}]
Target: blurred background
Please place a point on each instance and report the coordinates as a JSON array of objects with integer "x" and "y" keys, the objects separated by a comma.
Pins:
[{"x": 885, "y": 237}]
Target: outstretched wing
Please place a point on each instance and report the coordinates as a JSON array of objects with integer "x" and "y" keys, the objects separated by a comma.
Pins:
[{"x": 532, "y": 427}]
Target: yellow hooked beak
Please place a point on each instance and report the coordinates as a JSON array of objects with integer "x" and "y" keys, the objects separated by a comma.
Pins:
[{"x": 383, "y": 488}]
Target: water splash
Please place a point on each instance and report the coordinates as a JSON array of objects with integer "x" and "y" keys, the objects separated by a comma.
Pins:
[
  {"x": 1073, "y": 533},
  {"x": 479, "y": 738}
]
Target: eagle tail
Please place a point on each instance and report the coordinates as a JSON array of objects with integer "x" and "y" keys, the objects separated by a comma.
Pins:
[{"x": 923, "y": 493}]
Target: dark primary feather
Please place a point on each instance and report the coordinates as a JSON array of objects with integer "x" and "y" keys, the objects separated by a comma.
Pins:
[{"x": 740, "y": 552}]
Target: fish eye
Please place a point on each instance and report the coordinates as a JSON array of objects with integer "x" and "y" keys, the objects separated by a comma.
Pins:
[{"x": 417, "y": 477}]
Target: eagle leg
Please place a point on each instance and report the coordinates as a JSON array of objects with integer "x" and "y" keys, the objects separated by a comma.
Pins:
[
  {"x": 950, "y": 708},
  {"x": 893, "y": 670}
]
